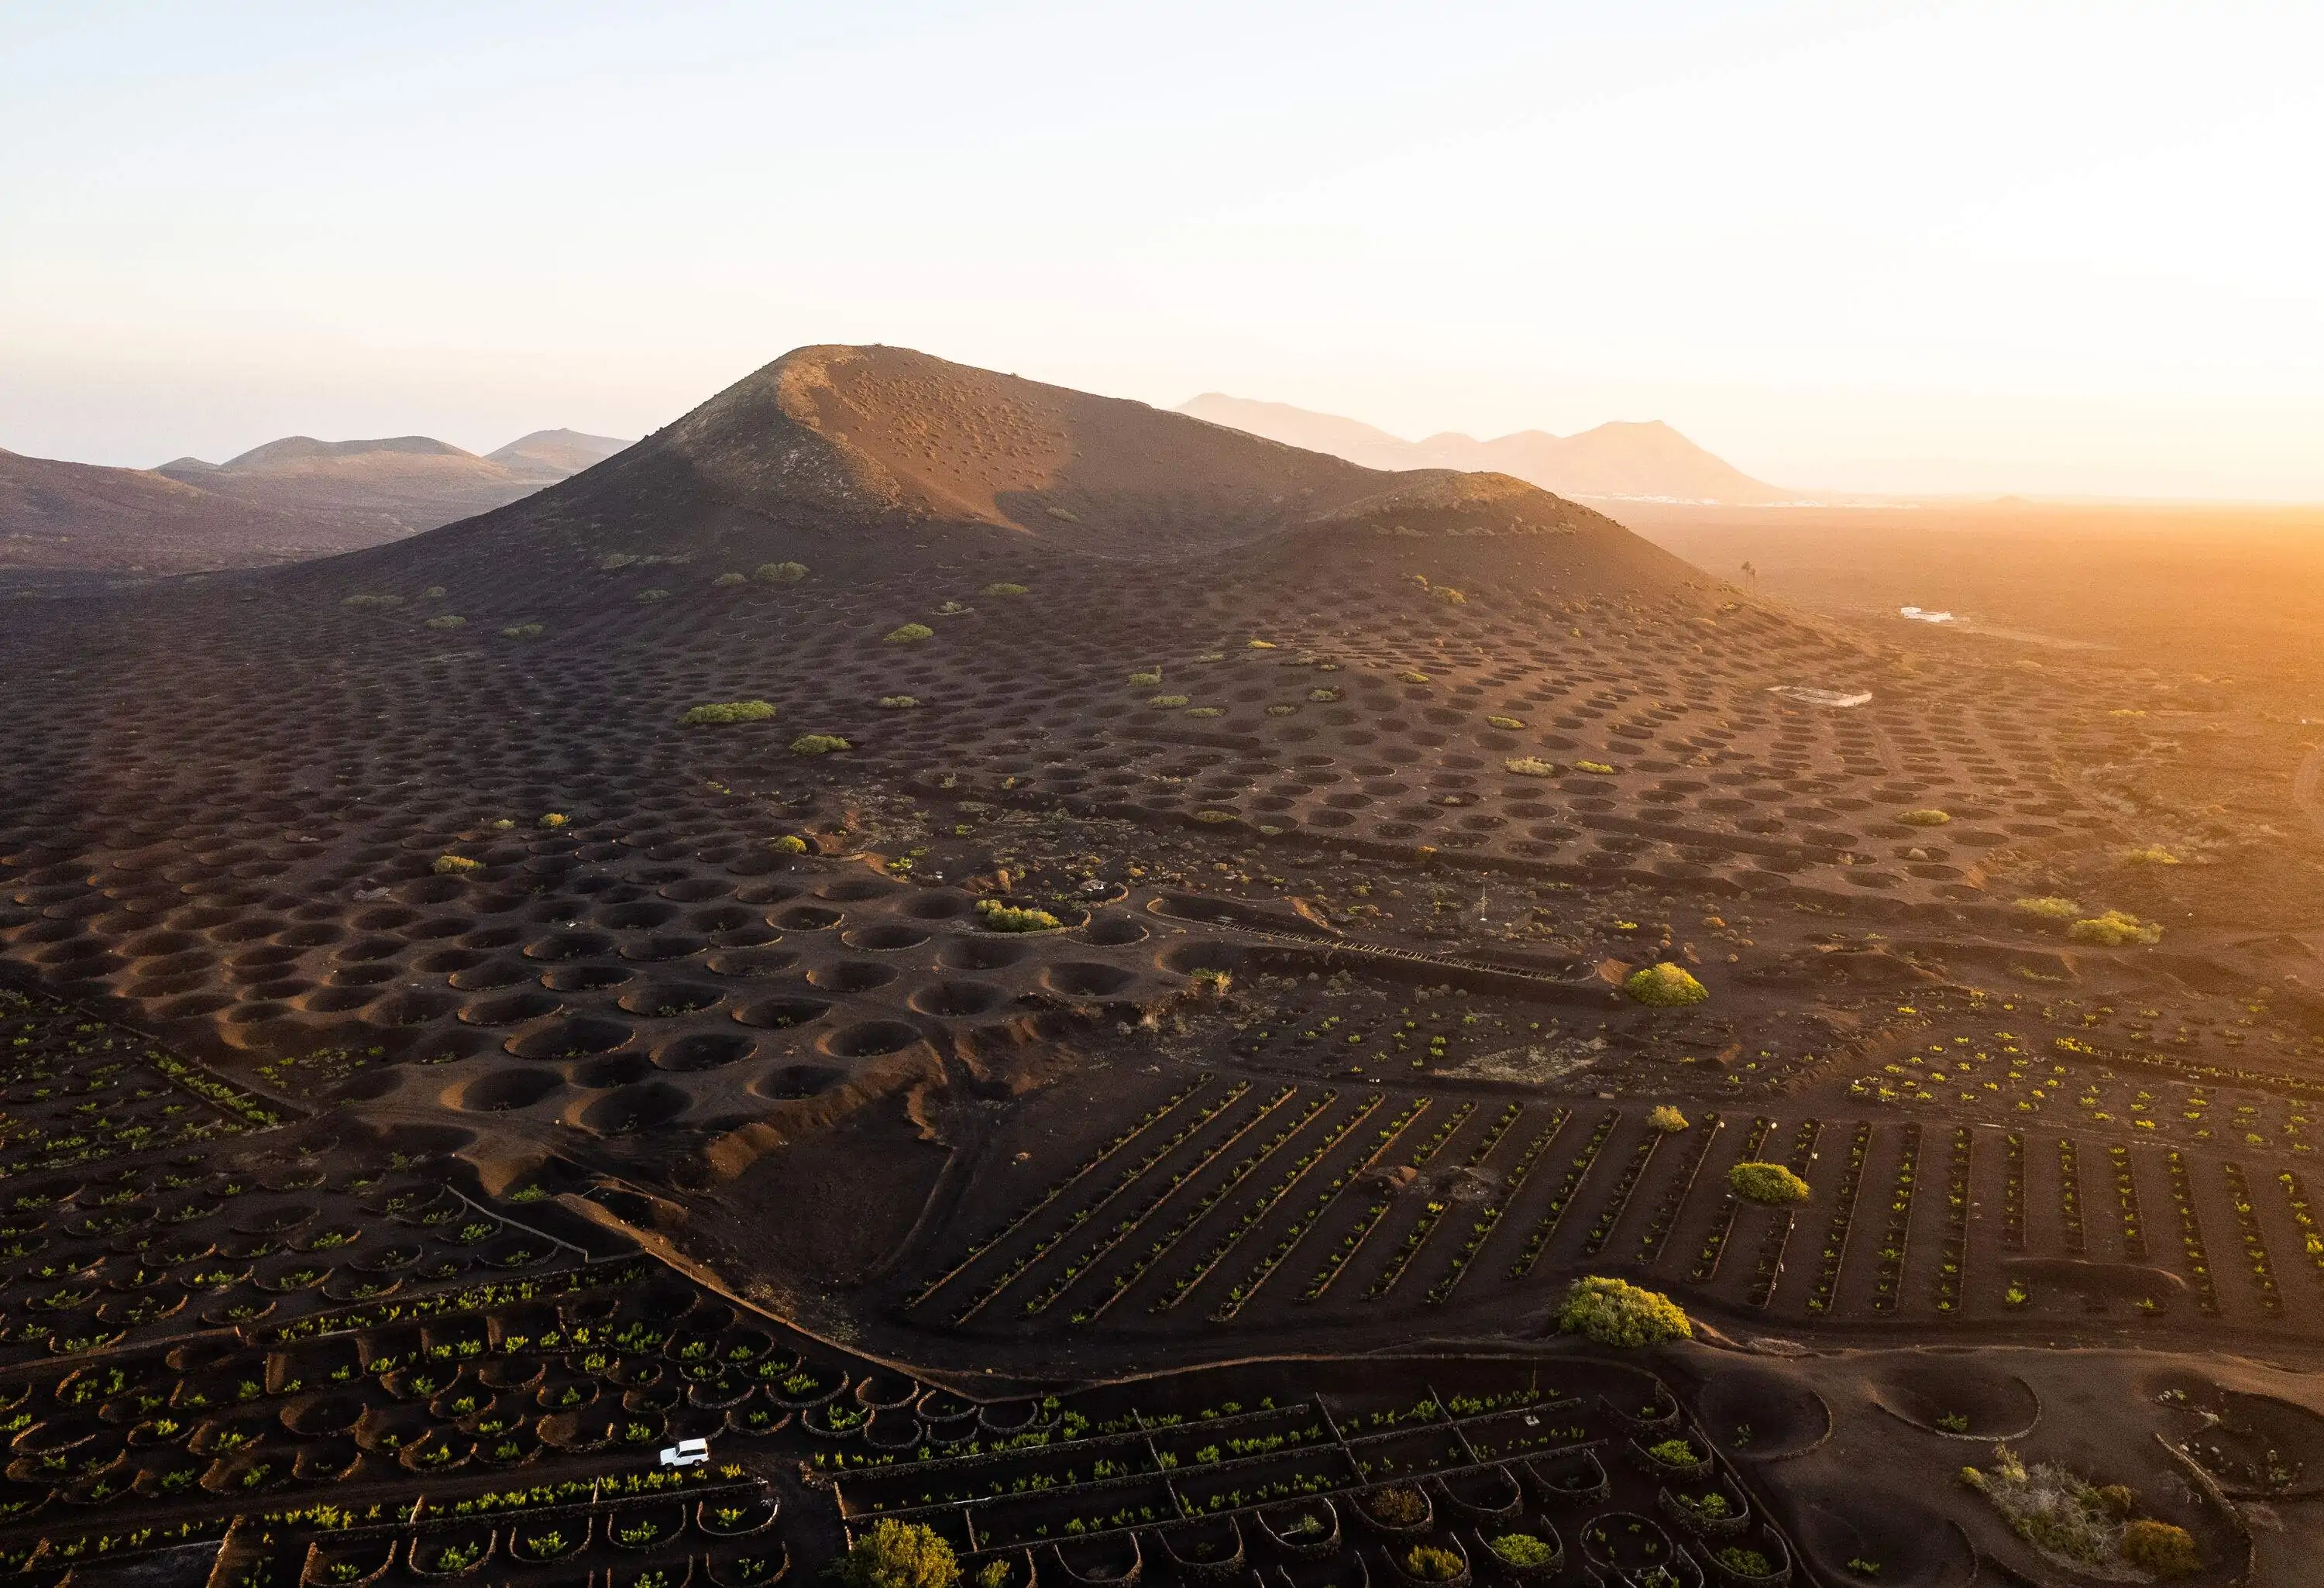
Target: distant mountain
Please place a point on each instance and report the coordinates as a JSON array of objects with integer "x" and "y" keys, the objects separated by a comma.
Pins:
[
  {"x": 294, "y": 498},
  {"x": 1649, "y": 460},
  {"x": 555, "y": 454}
]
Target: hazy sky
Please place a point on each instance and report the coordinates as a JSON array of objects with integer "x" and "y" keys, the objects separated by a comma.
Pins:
[{"x": 2027, "y": 246}]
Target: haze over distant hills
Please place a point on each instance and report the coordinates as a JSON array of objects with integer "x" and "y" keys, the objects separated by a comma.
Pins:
[
  {"x": 292, "y": 498},
  {"x": 1649, "y": 460}
]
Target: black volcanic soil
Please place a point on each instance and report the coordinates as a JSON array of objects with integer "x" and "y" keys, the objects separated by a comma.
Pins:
[{"x": 1352, "y": 800}]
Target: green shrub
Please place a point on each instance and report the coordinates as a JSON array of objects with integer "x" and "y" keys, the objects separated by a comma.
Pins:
[
  {"x": 1530, "y": 766},
  {"x": 992, "y": 1574},
  {"x": 1170, "y": 702},
  {"x": 522, "y": 632},
  {"x": 1745, "y": 1562},
  {"x": 457, "y": 865},
  {"x": 448, "y": 620},
  {"x": 818, "y": 744},
  {"x": 613, "y": 560},
  {"x": 2149, "y": 855},
  {"x": 1615, "y": 1312},
  {"x": 728, "y": 581},
  {"x": 1506, "y": 723},
  {"x": 897, "y": 702},
  {"x": 899, "y": 1554},
  {"x": 997, "y": 916},
  {"x": 1430, "y": 1565},
  {"x": 1771, "y": 1183},
  {"x": 1207, "y": 711},
  {"x": 2114, "y": 928},
  {"x": 1523, "y": 1549},
  {"x": 1596, "y": 768},
  {"x": 788, "y": 843},
  {"x": 1676, "y": 1453},
  {"x": 373, "y": 601},
  {"x": 554, "y": 819},
  {"x": 1413, "y": 677},
  {"x": 1322, "y": 697},
  {"x": 2050, "y": 908},
  {"x": 1665, "y": 986},
  {"x": 780, "y": 573},
  {"x": 653, "y": 595},
  {"x": 1925, "y": 818},
  {"x": 1146, "y": 681},
  {"x": 1281, "y": 710},
  {"x": 2159, "y": 1549},
  {"x": 1004, "y": 587},
  {"x": 433, "y": 592},
  {"x": 910, "y": 635},
  {"x": 1662, "y": 1117},
  {"x": 728, "y": 711}
]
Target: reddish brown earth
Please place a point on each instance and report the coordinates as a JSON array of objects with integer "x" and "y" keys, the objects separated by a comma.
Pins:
[{"x": 1322, "y": 1069}]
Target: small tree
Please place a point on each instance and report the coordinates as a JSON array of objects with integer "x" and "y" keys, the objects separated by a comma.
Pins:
[
  {"x": 899, "y": 1554},
  {"x": 1662, "y": 1117}
]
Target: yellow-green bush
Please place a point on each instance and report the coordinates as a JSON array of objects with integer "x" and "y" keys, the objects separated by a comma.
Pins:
[
  {"x": 2050, "y": 908},
  {"x": 1925, "y": 818},
  {"x": 1615, "y": 1312},
  {"x": 997, "y": 917},
  {"x": 1530, "y": 766},
  {"x": 2114, "y": 928},
  {"x": 726, "y": 711},
  {"x": 897, "y": 702},
  {"x": 1506, "y": 723},
  {"x": 1664, "y": 1118},
  {"x": 910, "y": 633},
  {"x": 818, "y": 744},
  {"x": 728, "y": 581},
  {"x": 457, "y": 865},
  {"x": 448, "y": 620},
  {"x": 1599, "y": 767},
  {"x": 1004, "y": 587},
  {"x": 522, "y": 632},
  {"x": 780, "y": 573},
  {"x": 1771, "y": 1183},
  {"x": 1665, "y": 986}
]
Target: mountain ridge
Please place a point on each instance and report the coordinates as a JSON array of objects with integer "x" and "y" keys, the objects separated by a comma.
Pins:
[
  {"x": 289, "y": 499},
  {"x": 1620, "y": 460}
]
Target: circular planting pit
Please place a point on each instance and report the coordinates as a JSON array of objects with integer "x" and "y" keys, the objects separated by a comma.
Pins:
[
  {"x": 790, "y": 1081},
  {"x": 669, "y": 1000},
  {"x": 780, "y": 1014},
  {"x": 570, "y": 1039},
  {"x": 1749, "y": 1411},
  {"x": 514, "y": 1009},
  {"x": 869, "y": 1038},
  {"x": 640, "y": 1106},
  {"x": 501, "y": 1090},
  {"x": 958, "y": 999},
  {"x": 704, "y": 1050},
  {"x": 615, "y": 1069},
  {"x": 1910, "y": 1545},
  {"x": 1086, "y": 979},
  {"x": 885, "y": 936},
  {"x": 1956, "y": 1397},
  {"x": 852, "y": 975},
  {"x": 981, "y": 953}
]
